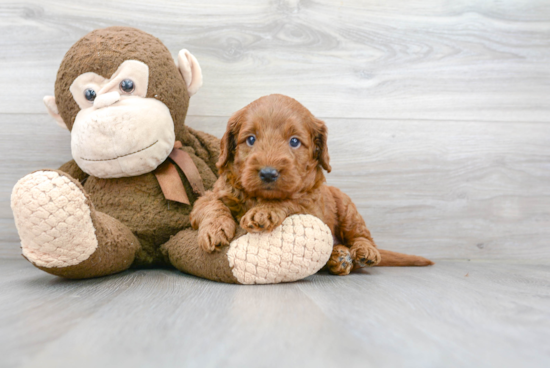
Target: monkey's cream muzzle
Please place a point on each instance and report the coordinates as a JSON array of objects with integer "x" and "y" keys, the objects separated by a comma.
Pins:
[
  {"x": 119, "y": 132},
  {"x": 131, "y": 137}
]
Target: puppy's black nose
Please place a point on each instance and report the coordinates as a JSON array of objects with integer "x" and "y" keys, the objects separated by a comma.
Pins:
[{"x": 269, "y": 174}]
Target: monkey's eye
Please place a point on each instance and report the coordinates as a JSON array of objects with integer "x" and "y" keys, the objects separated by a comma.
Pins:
[
  {"x": 250, "y": 140},
  {"x": 295, "y": 142},
  {"x": 89, "y": 94},
  {"x": 127, "y": 86}
]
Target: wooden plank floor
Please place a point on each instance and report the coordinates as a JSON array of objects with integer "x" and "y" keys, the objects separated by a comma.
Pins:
[
  {"x": 439, "y": 130},
  {"x": 455, "y": 314}
]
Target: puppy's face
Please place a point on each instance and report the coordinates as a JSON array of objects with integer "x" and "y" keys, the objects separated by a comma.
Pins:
[{"x": 274, "y": 148}]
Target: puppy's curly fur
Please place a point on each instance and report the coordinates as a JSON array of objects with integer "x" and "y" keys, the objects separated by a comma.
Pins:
[{"x": 296, "y": 186}]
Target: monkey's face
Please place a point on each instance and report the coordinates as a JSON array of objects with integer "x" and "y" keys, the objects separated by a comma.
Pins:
[
  {"x": 124, "y": 100},
  {"x": 118, "y": 131}
]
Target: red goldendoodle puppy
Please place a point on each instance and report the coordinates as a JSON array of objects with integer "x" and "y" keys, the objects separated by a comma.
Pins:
[{"x": 271, "y": 166}]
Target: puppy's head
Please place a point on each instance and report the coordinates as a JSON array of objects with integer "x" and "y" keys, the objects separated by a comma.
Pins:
[{"x": 274, "y": 148}]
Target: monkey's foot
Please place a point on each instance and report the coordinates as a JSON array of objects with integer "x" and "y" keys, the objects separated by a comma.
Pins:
[
  {"x": 298, "y": 248},
  {"x": 53, "y": 218}
]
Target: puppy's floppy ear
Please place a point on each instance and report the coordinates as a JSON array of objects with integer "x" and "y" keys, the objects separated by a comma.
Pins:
[
  {"x": 228, "y": 143},
  {"x": 320, "y": 141}
]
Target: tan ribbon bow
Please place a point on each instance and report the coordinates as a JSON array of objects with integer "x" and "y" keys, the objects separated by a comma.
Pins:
[{"x": 169, "y": 179}]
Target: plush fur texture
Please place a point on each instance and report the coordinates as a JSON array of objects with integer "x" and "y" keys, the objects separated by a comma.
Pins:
[
  {"x": 127, "y": 221},
  {"x": 103, "y": 50},
  {"x": 137, "y": 202},
  {"x": 241, "y": 194}
]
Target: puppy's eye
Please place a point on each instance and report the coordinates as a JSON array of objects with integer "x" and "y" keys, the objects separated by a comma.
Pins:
[
  {"x": 295, "y": 142},
  {"x": 89, "y": 94},
  {"x": 127, "y": 86},
  {"x": 251, "y": 140}
]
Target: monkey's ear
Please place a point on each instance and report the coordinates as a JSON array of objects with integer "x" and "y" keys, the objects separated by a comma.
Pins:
[
  {"x": 321, "y": 148},
  {"x": 51, "y": 106},
  {"x": 228, "y": 143},
  {"x": 190, "y": 70}
]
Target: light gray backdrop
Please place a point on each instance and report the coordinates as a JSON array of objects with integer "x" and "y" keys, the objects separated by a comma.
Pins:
[
  {"x": 439, "y": 120},
  {"x": 438, "y": 112}
]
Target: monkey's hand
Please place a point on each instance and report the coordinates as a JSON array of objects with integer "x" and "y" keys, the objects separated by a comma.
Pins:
[
  {"x": 259, "y": 219},
  {"x": 216, "y": 233}
]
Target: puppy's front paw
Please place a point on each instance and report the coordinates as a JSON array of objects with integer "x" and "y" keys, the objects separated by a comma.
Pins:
[
  {"x": 216, "y": 234},
  {"x": 260, "y": 219},
  {"x": 340, "y": 262},
  {"x": 365, "y": 256}
]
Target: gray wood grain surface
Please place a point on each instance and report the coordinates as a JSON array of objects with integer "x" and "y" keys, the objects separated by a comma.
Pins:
[
  {"x": 439, "y": 130},
  {"x": 426, "y": 59},
  {"x": 438, "y": 113},
  {"x": 454, "y": 314}
]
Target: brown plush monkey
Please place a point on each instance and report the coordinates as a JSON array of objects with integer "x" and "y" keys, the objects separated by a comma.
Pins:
[{"x": 125, "y": 199}]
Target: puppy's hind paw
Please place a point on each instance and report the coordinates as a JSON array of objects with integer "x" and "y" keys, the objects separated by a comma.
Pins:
[
  {"x": 365, "y": 256},
  {"x": 340, "y": 262}
]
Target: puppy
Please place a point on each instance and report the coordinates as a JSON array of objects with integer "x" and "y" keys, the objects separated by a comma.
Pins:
[{"x": 271, "y": 165}]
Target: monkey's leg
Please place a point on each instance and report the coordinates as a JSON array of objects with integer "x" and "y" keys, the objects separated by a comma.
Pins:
[
  {"x": 296, "y": 249},
  {"x": 62, "y": 234}
]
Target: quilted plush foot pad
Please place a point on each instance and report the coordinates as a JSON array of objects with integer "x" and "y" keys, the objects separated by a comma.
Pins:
[
  {"x": 53, "y": 220},
  {"x": 300, "y": 247}
]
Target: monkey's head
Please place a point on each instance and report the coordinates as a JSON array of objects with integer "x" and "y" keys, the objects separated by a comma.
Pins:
[{"x": 124, "y": 99}]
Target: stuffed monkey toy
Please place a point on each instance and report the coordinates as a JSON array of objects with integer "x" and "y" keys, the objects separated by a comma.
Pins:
[{"x": 125, "y": 198}]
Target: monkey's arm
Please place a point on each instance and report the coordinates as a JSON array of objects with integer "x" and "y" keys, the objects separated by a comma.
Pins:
[
  {"x": 73, "y": 170},
  {"x": 208, "y": 143}
]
